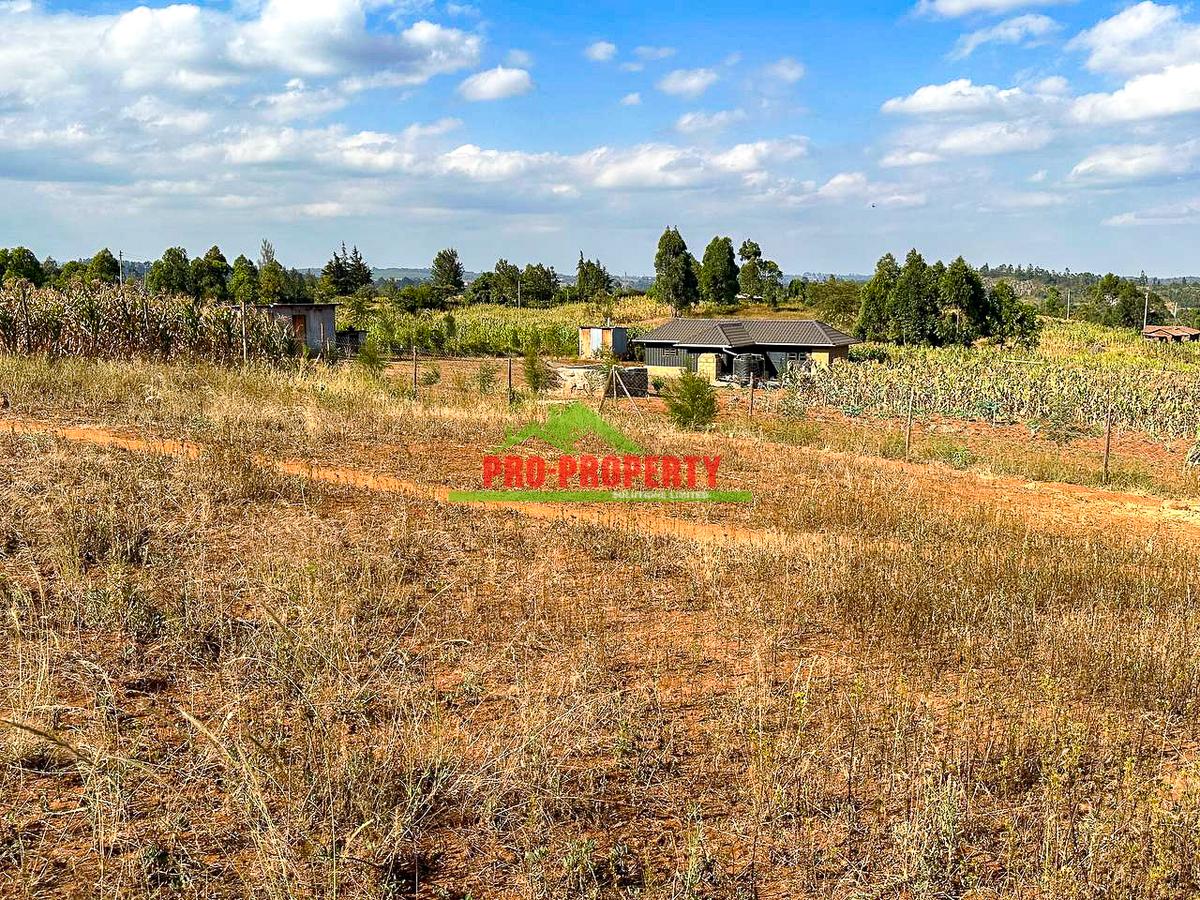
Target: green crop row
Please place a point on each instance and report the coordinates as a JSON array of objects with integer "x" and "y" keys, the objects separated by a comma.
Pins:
[
  {"x": 120, "y": 322},
  {"x": 991, "y": 385}
]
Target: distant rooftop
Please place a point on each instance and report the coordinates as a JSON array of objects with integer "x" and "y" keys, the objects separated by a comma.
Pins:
[{"x": 734, "y": 333}]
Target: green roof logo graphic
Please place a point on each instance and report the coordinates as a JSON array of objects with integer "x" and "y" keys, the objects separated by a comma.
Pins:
[{"x": 566, "y": 426}]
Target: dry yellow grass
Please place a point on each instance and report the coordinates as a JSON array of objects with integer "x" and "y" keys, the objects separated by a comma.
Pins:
[{"x": 224, "y": 681}]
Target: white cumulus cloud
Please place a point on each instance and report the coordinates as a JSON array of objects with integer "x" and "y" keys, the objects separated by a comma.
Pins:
[
  {"x": 952, "y": 9},
  {"x": 961, "y": 96},
  {"x": 1142, "y": 38},
  {"x": 499, "y": 83},
  {"x": 697, "y": 122},
  {"x": 1184, "y": 213},
  {"x": 600, "y": 51},
  {"x": 1136, "y": 162},
  {"x": 992, "y": 138},
  {"x": 786, "y": 70},
  {"x": 690, "y": 83},
  {"x": 1170, "y": 92},
  {"x": 1027, "y": 30}
]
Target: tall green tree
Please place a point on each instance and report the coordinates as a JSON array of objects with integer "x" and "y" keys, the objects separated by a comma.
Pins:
[
  {"x": 591, "y": 279},
  {"x": 335, "y": 276},
  {"x": 539, "y": 285},
  {"x": 171, "y": 274},
  {"x": 272, "y": 279},
  {"x": 243, "y": 283},
  {"x": 446, "y": 274},
  {"x": 73, "y": 272},
  {"x": 874, "y": 311},
  {"x": 21, "y": 263},
  {"x": 1015, "y": 322},
  {"x": 966, "y": 304},
  {"x": 507, "y": 282},
  {"x": 750, "y": 274},
  {"x": 771, "y": 278},
  {"x": 210, "y": 275},
  {"x": 675, "y": 278},
  {"x": 913, "y": 308},
  {"x": 482, "y": 289},
  {"x": 719, "y": 273},
  {"x": 104, "y": 268},
  {"x": 357, "y": 270}
]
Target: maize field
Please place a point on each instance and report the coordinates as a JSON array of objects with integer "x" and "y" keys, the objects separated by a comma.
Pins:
[
  {"x": 114, "y": 322},
  {"x": 492, "y": 330},
  {"x": 993, "y": 385}
]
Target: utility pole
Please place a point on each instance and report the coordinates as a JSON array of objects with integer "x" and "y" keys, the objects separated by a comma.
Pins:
[
  {"x": 518, "y": 290},
  {"x": 121, "y": 267},
  {"x": 1068, "y": 303},
  {"x": 1146, "y": 309}
]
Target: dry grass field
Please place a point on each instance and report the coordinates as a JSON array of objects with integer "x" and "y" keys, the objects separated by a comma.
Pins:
[{"x": 250, "y": 651}]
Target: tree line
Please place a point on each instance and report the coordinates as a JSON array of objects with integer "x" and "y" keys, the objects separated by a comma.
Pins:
[
  {"x": 683, "y": 282},
  {"x": 209, "y": 277},
  {"x": 913, "y": 303},
  {"x": 919, "y": 303}
]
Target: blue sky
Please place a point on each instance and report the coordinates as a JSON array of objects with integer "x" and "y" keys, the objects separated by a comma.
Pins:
[{"x": 1058, "y": 133}]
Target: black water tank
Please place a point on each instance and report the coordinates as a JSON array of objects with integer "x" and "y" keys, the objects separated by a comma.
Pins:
[{"x": 746, "y": 365}]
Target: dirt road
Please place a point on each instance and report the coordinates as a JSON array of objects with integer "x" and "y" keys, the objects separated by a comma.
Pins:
[{"x": 1051, "y": 503}]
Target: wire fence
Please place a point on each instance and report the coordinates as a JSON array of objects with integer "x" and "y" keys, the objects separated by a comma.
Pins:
[{"x": 913, "y": 427}]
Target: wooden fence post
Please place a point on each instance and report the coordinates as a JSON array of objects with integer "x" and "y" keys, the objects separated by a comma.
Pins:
[
  {"x": 752, "y": 380},
  {"x": 510, "y": 387},
  {"x": 908, "y": 425},
  {"x": 1108, "y": 423},
  {"x": 414, "y": 362}
]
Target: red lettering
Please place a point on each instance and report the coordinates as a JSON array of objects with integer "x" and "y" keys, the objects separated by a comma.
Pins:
[
  {"x": 491, "y": 468},
  {"x": 567, "y": 467},
  {"x": 535, "y": 471},
  {"x": 651, "y": 465},
  {"x": 610, "y": 471},
  {"x": 514, "y": 472},
  {"x": 670, "y": 472},
  {"x": 632, "y": 467},
  {"x": 691, "y": 470},
  {"x": 710, "y": 468},
  {"x": 588, "y": 472}
]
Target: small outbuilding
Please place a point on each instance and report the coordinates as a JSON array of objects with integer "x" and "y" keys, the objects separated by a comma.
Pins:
[
  {"x": 599, "y": 340},
  {"x": 1170, "y": 334},
  {"x": 312, "y": 324}
]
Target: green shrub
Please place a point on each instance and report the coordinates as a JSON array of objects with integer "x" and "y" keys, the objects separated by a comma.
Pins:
[
  {"x": 431, "y": 376},
  {"x": 485, "y": 378},
  {"x": 370, "y": 358},
  {"x": 691, "y": 401},
  {"x": 538, "y": 375}
]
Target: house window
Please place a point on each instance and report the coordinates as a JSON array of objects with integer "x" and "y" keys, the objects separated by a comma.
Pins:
[{"x": 670, "y": 356}]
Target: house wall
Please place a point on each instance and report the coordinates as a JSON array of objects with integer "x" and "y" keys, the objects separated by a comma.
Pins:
[
  {"x": 663, "y": 372},
  {"x": 826, "y": 357},
  {"x": 661, "y": 363},
  {"x": 676, "y": 358}
]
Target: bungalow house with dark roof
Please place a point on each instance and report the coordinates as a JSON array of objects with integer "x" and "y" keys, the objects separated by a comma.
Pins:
[{"x": 733, "y": 349}]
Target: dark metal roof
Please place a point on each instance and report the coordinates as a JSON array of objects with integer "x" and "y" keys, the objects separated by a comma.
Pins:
[{"x": 747, "y": 333}]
